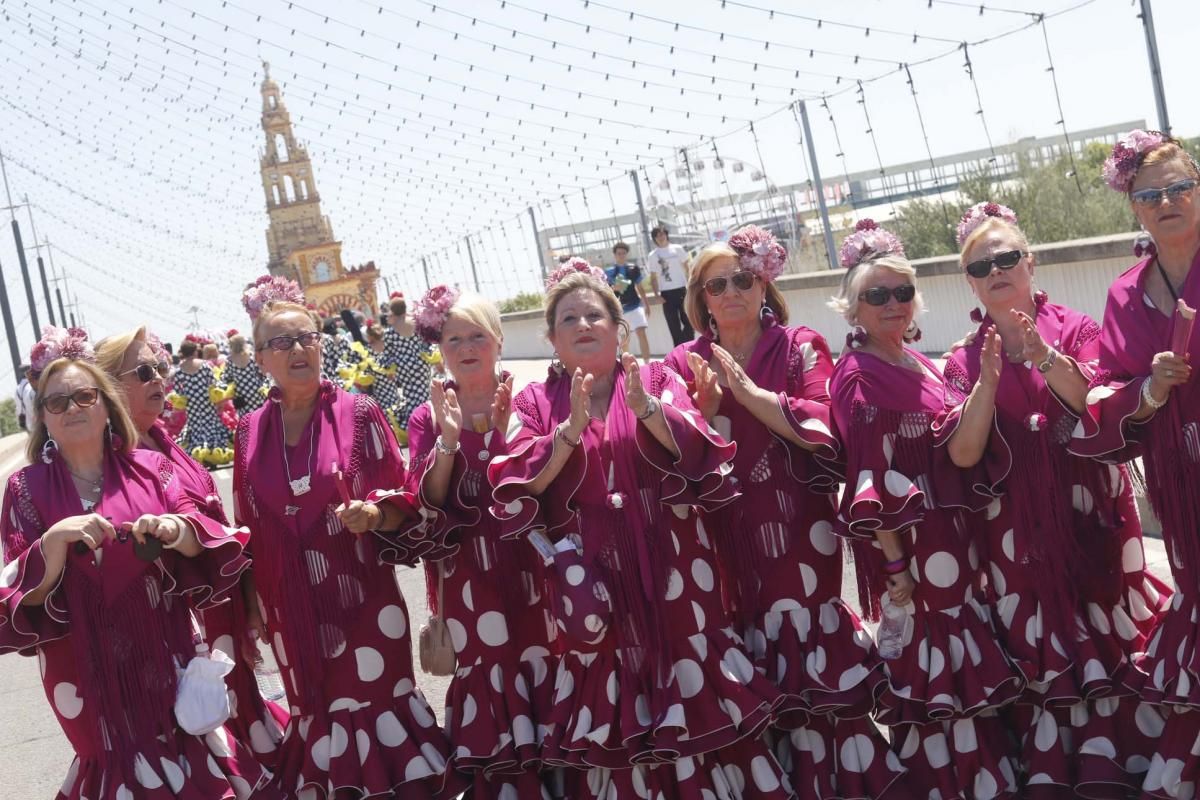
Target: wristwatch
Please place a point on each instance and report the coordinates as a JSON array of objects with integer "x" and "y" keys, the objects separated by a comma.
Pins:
[
  {"x": 1048, "y": 363},
  {"x": 444, "y": 450}
]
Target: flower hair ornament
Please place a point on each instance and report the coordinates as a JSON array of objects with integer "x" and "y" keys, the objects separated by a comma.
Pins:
[
  {"x": 867, "y": 242},
  {"x": 430, "y": 312},
  {"x": 59, "y": 343},
  {"x": 759, "y": 251},
  {"x": 267, "y": 289},
  {"x": 1121, "y": 166},
  {"x": 573, "y": 265},
  {"x": 979, "y": 213}
]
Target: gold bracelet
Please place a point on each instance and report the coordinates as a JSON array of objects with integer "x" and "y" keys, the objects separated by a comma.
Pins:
[{"x": 561, "y": 433}]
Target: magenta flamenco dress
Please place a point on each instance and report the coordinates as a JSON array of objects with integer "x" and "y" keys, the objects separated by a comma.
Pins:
[
  {"x": 951, "y": 678},
  {"x": 655, "y": 692},
  {"x": 782, "y": 569}
]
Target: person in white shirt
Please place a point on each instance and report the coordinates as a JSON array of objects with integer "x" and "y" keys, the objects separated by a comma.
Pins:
[
  {"x": 667, "y": 266},
  {"x": 26, "y": 400}
]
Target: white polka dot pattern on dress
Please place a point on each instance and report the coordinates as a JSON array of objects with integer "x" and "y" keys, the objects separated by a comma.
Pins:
[
  {"x": 689, "y": 676},
  {"x": 393, "y": 622},
  {"x": 941, "y": 569},
  {"x": 67, "y": 700},
  {"x": 369, "y": 662},
  {"x": 492, "y": 628}
]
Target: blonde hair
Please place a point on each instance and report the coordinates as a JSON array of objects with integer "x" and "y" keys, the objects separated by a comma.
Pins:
[
  {"x": 582, "y": 280},
  {"x": 480, "y": 312},
  {"x": 987, "y": 226},
  {"x": 1169, "y": 151},
  {"x": 118, "y": 416},
  {"x": 694, "y": 303},
  {"x": 211, "y": 351},
  {"x": 845, "y": 302},
  {"x": 110, "y": 351},
  {"x": 274, "y": 309},
  {"x": 237, "y": 344}
]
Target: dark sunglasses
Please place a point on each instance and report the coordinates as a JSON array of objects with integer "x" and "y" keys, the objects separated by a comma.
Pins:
[
  {"x": 148, "y": 372},
  {"x": 285, "y": 343},
  {"x": 742, "y": 281},
  {"x": 1174, "y": 193},
  {"x": 983, "y": 267},
  {"x": 879, "y": 295},
  {"x": 82, "y": 398}
]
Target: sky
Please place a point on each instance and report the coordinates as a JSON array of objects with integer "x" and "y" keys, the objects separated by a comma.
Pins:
[{"x": 134, "y": 130}]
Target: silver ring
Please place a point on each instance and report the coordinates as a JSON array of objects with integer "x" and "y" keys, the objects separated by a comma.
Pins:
[{"x": 1170, "y": 373}]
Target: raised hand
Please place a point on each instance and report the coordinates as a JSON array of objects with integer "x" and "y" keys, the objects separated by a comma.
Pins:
[
  {"x": 991, "y": 360},
  {"x": 502, "y": 405},
  {"x": 1033, "y": 347},
  {"x": 707, "y": 396},
  {"x": 91, "y": 529},
  {"x": 1167, "y": 371},
  {"x": 167, "y": 529},
  {"x": 581, "y": 393},
  {"x": 740, "y": 384},
  {"x": 447, "y": 414},
  {"x": 359, "y": 516},
  {"x": 635, "y": 394}
]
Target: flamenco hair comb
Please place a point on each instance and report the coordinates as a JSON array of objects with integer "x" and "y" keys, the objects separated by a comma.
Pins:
[
  {"x": 759, "y": 251},
  {"x": 430, "y": 312},
  {"x": 1121, "y": 166},
  {"x": 268, "y": 288},
  {"x": 572, "y": 266},
  {"x": 977, "y": 214},
  {"x": 867, "y": 242},
  {"x": 59, "y": 343}
]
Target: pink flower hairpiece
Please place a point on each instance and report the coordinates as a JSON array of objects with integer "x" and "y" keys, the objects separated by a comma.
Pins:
[
  {"x": 869, "y": 241},
  {"x": 430, "y": 312},
  {"x": 59, "y": 343},
  {"x": 156, "y": 347},
  {"x": 267, "y": 289},
  {"x": 572, "y": 266},
  {"x": 759, "y": 251},
  {"x": 1121, "y": 166},
  {"x": 975, "y": 216}
]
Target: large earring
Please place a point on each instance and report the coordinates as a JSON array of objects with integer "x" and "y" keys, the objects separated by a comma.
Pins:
[
  {"x": 49, "y": 451},
  {"x": 556, "y": 364},
  {"x": 114, "y": 439},
  {"x": 976, "y": 315},
  {"x": 857, "y": 337},
  {"x": 766, "y": 315},
  {"x": 712, "y": 329},
  {"x": 912, "y": 333}
]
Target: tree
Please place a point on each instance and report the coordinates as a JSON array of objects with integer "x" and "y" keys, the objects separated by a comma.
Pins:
[
  {"x": 8, "y": 417},
  {"x": 525, "y": 301}
]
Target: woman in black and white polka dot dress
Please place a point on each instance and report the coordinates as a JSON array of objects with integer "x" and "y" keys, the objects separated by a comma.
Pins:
[
  {"x": 192, "y": 382},
  {"x": 244, "y": 374},
  {"x": 404, "y": 350}
]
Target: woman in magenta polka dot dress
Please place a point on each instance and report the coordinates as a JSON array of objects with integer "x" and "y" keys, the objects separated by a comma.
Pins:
[
  {"x": 766, "y": 386},
  {"x": 1070, "y": 597},
  {"x": 655, "y": 692},
  {"x": 907, "y": 505},
  {"x": 328, "y": 599},
  {"x": 102, "y": 546},
  {"x": 489, "y": 592}
]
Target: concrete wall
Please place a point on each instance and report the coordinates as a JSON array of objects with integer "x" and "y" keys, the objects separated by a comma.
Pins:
[{"x": 1076, "y": 274}]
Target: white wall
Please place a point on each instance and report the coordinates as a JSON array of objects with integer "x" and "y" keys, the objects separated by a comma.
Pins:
[{"x": 1075, "y": 274}]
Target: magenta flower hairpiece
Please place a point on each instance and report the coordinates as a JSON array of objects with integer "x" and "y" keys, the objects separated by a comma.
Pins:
[
  {"x": 156, "y": 346},
  {"x": 268, "y": 288},
  {"x": 572, "y": 266},
  {"x": 1121, "y": 167},
  {"x": 868, "y": 242},
  {"x": 59, "y": 343},
  {"x": 759, "y": 251},
  {"x": 975, "y": 216},
  {"x": 430, "y": 312}
]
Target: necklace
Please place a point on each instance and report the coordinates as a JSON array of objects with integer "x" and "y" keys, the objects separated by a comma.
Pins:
[
  {"x": 1167, "y": 281},
  {"x": 96, "y": 484},
  {"x": 302, "y": 484}
]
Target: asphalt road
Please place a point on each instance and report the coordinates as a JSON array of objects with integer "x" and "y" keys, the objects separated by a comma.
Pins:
[{"x": 35, "y": 755}]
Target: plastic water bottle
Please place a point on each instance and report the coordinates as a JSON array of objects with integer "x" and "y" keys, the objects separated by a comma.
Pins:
[
  {"x": 266, "y": 673},
  {"x": 891, "y": 631}
]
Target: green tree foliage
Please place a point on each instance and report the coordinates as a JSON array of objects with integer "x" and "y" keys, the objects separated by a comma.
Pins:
[
  {"x": 8, "y": 417},
  {"x": 525, "y": 301}
]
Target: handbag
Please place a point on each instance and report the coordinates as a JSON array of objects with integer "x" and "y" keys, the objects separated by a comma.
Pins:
[
  {"x": 201, "y": 699},
  {"x": 434, "y": 644}
]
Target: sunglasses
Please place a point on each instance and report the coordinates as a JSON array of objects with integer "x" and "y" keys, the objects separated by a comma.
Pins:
[
  {"x": 742, "y": 281},
  {"x": 148, "y": 372},
  {"x": 983, "y": 267},
  {"x": 285, "y": 343},
  {"x": 1174, "y": 193},
  {"x": 879, "y": 295},
  {"x": 82, "y": 398}
]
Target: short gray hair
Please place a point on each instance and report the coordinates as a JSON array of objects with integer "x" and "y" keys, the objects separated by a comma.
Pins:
[{"x": 845, "y": 302}]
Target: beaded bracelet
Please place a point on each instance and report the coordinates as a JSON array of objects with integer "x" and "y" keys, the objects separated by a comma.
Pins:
[{"x": 896, "y": 567}]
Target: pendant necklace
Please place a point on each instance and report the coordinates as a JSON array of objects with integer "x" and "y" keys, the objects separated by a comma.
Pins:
[
  {"x": 302, "y": 484},
  {"x": 96, "y": 484}
]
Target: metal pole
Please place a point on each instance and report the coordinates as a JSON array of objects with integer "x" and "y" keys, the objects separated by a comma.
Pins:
[
  {"x": 637, "y": 191},
  {"x": 537, "y": 240},
  {"x": 471, "y": 258},
  {"x": 41, "y": 264},
  {"x": 16, "y": 228},
  {"x": 425, "y": 269},
  {"x": 820, "y": 187},
  {"x": 62, "y": 313},
  {"x": 10, "y": 332},
  {"x": 1160, "y": 95}
]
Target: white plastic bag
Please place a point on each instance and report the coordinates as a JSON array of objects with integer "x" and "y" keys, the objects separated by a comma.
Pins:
[{"x": 201, "y": 702}]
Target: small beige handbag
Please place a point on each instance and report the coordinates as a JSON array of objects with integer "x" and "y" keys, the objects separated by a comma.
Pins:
[{"x": 434, "y": 645}]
